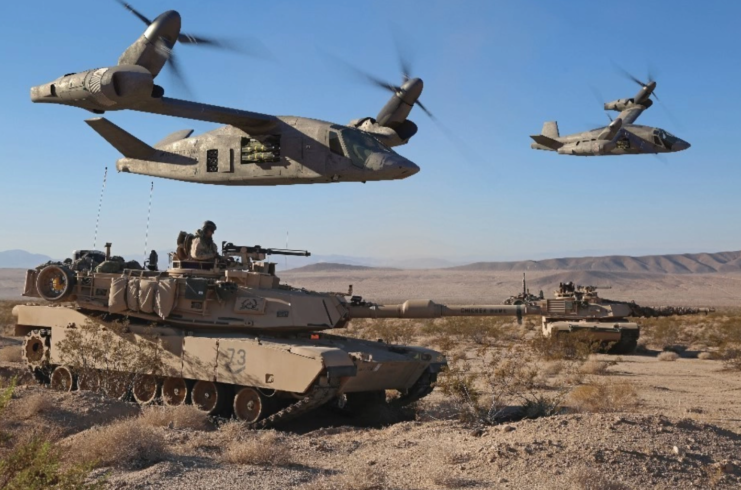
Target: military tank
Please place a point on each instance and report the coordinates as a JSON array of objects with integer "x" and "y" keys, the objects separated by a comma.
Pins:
[
  {"x": 580, "y": 309},
  {"x": 229, "y": 337}
]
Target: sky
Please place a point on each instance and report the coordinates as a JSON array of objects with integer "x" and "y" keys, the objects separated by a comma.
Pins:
[{"x": 494, "y": 71}]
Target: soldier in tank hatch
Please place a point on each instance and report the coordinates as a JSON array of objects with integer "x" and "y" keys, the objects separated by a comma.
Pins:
[{"x": 203, "y": 246}]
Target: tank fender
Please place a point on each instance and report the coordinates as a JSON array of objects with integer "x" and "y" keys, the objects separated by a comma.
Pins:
[{"x": 337, "y": 362}]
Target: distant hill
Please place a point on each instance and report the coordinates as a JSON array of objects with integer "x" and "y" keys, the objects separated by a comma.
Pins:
[
  {"x": 332, "y": 266},
  {"x": 20, "y": 259},
  {"x": 701, "y": 263}
]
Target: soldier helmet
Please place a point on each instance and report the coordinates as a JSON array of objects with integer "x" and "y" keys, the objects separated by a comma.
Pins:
[{"x": 209, "y": 225}]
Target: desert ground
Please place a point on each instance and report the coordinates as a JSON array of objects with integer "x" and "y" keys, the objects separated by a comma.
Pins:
[{"x": 511, "y": 412}]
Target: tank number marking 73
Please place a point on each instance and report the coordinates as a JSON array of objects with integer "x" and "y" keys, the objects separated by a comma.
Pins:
[{"x": 238, "y": 357}]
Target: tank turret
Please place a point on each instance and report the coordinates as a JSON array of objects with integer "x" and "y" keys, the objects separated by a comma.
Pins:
[{"x": 230, "y": 336}]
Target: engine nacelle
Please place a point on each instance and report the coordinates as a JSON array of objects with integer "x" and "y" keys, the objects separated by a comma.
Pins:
[
  {"x": 619, "y": 105},
  {"x": 101, "y": 89}
]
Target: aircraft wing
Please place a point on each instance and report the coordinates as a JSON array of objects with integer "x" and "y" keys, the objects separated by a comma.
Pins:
[
  {"x": 630, "y": 114},
  {"x": 250, "y": 122}
]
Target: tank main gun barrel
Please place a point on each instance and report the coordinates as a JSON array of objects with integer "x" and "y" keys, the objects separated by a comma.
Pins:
[{"x": 430, "y": 309}]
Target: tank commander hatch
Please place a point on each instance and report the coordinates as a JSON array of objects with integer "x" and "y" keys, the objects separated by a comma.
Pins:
[{"x": 203, "y": 246}]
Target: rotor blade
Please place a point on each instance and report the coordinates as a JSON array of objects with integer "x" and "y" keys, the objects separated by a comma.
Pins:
[
  {"x": 628, "y": 75},
  {"x": 177, "y": 74},
  {"x": 135, "y": 12},
  {"x": 363, "y": 75},
  {"x": 425, "y": 109},
  {"x": 402, "y": 54},
  {"x": 250, "y": 47}
]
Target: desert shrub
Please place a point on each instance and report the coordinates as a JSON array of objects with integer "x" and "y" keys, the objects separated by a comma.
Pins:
[
  {"x": 392, "y": 331},
  {"x": 110, "y": 353},
  {"x": 356, "y": 477},
  {"x": 589, "y": 479},
  {"x": 35, "y": 465},
  {"x": 509, "y": 376},
  {"x": 478, "y": 330},
  {"x": 128, "y": 443},
  {"x": 596, "y": 367},
  {"x": 573, "y": 346},
  {"x": 7, "y": 388},
  {"x": 267, "y": 449},
  {"x": 732, "y": 358},
  {"x": 180, "y": 417},
  {"x": 32, "y": 405},
  {"x": 597, "y": 396},
  {"x": 7, "y": 320},
  {"x": 668, "y": 356},
  {"x": 706, "y": 356}
]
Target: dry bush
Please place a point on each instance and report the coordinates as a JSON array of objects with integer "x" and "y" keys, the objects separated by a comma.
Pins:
[
  {"x": 596, "y": 367},
  {"x": 732, "y": 358},
  {"x": 598, "y": 396},
  {"x": 127, "y": 443},
  {"x": 35, "y": 465},
  {"x": 668, "y": 356},
  {"x": 7, "y": 320},
  {"x": 265, "y": 449},
  {"x": 355, "y": 477},
  {"x": 32, "y": 405},
  {"x": 110, "y": 353},
  {"x": 588, "y": 479},
  {"x": 574, "y": 346},
  {"x": 484, "y": 388},
  {"x": 180, "y": 417},
  {"x": 553, "y": 368},
  {"x": 707, "y": 356},
  {"x": 11, "y": 353},
  {"x": 478, "y": 330}
]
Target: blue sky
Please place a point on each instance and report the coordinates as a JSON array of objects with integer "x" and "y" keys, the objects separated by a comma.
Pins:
[{"x": 493, "y": 72}]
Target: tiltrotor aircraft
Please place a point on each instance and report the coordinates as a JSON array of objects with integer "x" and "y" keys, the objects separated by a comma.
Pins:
[
  {"x": 620, "y": 137},
  {"x": 252, "y": 148}
]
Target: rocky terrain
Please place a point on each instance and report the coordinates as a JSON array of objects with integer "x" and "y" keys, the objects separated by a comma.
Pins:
[{"x": 669, "y": 417}]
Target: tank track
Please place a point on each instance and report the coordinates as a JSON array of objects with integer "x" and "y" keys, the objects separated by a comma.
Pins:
[
  {"x": 420, "y": 389},
  {"x": 316, "y": 397}
]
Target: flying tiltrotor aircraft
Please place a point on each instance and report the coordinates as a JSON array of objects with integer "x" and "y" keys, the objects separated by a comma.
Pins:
[
  {"x": 620, "y": 137},
  {"x": 252, "y": 149}
]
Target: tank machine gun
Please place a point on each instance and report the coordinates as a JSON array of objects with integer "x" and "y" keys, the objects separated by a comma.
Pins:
[{"x": 232, "y": 337}]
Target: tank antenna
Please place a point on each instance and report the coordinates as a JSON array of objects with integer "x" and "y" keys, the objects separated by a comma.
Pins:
[
  {"x": 149, "y": 213},
  {"x": 285, "y": 265},
  {"x": 100, "y": 206}
]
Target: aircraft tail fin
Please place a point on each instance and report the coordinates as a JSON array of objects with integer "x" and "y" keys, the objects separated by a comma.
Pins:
[
  {"x": 546, "y": 141},
  {"x": 550, "y": 129},
  {"x": 126, "y": 143}
]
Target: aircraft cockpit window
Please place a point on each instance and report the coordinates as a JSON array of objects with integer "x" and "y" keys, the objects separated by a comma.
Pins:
[
  {"x": 335, "y": 145},
  {"x": 657, "y": 141},
  {"x": 360, "y": 146}
]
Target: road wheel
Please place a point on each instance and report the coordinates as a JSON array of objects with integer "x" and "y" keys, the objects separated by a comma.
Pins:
[
  {"x": 249, "y": 405},
  {"x": 146, "y": 388},
  {"x": 62, "y": 379},
  {"x": 36, "y": 349},
  {"x": 208, "y": 396},
  {"x": 174, "y": 392}
]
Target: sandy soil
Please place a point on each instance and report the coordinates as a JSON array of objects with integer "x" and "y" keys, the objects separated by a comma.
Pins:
[{"x": 685, "y": 433}]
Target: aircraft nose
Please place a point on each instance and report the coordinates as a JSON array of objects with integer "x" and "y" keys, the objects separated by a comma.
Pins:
[
  {"x": 680, "y": 145},
  {"x": 400, "y": 166}
]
